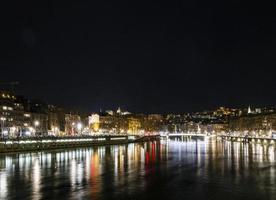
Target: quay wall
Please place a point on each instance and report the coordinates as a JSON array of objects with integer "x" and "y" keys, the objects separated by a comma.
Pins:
[{"x": 40, "y": 144}]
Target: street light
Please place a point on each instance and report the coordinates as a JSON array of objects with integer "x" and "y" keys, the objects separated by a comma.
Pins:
[
  {"x": 79, "y": 127},
  {"x": 36, "y": 124},
  {"x": 56, "y": 130},
  {"x": 73, "y": 127}
]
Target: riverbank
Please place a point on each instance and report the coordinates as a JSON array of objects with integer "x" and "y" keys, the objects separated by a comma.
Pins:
[{"x": 50, "y": 143}]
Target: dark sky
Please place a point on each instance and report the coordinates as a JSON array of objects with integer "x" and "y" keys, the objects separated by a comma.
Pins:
[{"x": 151, "y": 56}]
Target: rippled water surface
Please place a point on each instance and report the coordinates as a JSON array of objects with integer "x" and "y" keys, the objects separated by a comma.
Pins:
[{"x": 190, "y": 169}]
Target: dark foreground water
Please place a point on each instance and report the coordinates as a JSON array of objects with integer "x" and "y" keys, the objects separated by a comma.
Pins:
[{"x": 193, "y": 169}]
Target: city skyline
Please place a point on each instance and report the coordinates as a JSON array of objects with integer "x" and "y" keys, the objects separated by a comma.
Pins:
[
  {"x": 154, "y": 57},
  {"x": 114, "y": 108}
]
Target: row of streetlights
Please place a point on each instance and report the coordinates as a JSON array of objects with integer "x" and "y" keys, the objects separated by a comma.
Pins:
[
  {"x": 36, "y": 123},
  {"x": 3, "y": 119}
]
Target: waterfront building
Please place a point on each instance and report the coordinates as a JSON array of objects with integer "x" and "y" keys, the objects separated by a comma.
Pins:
[
  {"x": 56, "y": 120},
  {"x": 72, "y": 124},
  {"x": 39, "y": 123},
  {"x": 39, "y": 116},
  {"x": 113, "y": 124},
  {"x": 11, "y": 114},
  {"x": 134, "y": 126},
  {"x": 94, "y": 122},
  {"x": 257, "y": 124}
]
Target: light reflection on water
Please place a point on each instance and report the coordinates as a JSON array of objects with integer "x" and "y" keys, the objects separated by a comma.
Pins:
[{"x": 192, "y": 169}]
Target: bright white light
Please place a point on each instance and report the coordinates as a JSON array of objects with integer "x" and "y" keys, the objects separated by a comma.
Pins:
[
  {"x": 79, "y": 126},
  {"x": 5, "y": 132},
  {"x": 13, "y": 129},
  {"x": 27, "y": 133},
  {"x": 36, "y": 123}
]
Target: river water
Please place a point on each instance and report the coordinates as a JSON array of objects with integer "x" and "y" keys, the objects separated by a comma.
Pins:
[{"x": 175, "y": 169}]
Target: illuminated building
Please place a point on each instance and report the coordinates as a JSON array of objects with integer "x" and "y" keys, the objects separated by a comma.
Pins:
[
  {"x": 11, "y": 114},
  {"x": 94, "y": 122},
  {"x": 123, "y": 124},
  {"x": 261, "y": 124},
  {"x": 71, "y": 121},
  {"x": 153, "y": 123},
  {"x": 134, "y": 125},
  {"x": 113, "y": 124},
  {"x": 119, "y": 111},
  {"x": 110, "y": 112},
  {"x": 249, "y": 110}
]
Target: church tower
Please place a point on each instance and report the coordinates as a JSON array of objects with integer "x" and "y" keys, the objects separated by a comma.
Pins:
[{"x": 249, "y": 110}]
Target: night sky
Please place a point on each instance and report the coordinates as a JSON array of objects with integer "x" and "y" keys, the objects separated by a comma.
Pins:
[{"x": 151, "y": 56}]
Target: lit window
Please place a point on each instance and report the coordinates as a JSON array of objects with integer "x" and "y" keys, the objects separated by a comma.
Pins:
[{"x": 27, "y": 115}]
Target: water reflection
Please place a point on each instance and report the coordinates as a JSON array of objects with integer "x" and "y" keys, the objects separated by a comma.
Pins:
[{"x": 190, "y": 168}]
